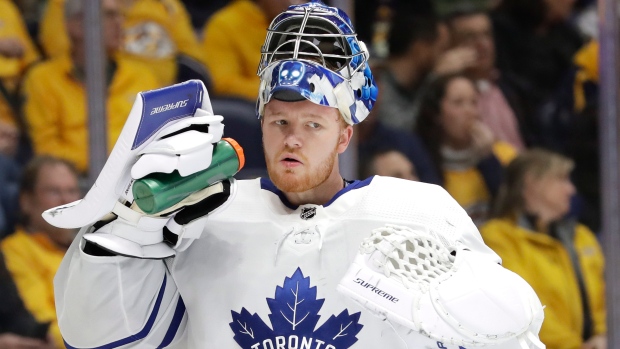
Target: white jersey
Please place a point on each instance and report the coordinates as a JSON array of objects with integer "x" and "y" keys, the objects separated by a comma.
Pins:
[{"x": 263, "y": 275}]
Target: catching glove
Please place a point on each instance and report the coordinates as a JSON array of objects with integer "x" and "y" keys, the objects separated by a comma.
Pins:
[{"x": 442, "y": 291}]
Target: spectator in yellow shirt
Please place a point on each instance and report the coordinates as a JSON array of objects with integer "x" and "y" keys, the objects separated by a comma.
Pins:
[
  {"x": 157, "y": 33},
  {"x": 34, "y": 252},
  {"x": 561, "y": 259},
  {"x": 232, "y": 55},
  {"x": 389, "y": 162},
  {"x": 55, "y": 96},
  {"x": 464, "y": 151},
  {"x": 17, "y": 50},
  {"x": 17, "y": 54},
  {"x": 18, "y": 328}
]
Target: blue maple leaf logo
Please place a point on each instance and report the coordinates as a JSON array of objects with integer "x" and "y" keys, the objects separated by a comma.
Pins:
[{"x": 294, "y": 317}]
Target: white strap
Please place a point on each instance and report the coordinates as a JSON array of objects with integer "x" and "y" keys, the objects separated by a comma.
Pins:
[
  {"x": 344, "y": 100},
  {"x": 191, "y": 230},
  {"x": 126, "y": 213},
  {"x": 138, "y": 219}
]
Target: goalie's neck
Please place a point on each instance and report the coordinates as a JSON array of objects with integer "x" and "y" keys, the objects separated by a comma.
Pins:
[
  {"x": 266, "y": 184},
  {"x": 317, "y": 196}
]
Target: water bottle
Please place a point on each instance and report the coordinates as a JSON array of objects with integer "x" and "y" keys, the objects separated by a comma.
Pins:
[{"x": 160, "y": 191}]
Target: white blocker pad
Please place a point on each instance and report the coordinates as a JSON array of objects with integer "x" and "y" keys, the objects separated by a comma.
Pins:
[{"x": 154, "y": 114}]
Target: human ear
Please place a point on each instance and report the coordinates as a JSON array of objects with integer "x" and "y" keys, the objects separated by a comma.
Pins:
[{"x": 345, "y": 138}]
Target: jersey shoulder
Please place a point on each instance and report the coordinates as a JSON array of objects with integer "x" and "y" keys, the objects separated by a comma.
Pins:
[
  {"x": 398, "y": 201},
  {"x": 405, "y": 192},
  {"x": 249, "y": 201}
]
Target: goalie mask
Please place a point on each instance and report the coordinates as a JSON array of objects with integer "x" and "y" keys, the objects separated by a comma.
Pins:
[{"x": 311, "y": 51}]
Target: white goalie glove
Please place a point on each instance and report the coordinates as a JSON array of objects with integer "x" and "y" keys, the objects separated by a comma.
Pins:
[
  {"x": 168, "y": 129},
  {"x": 442, "y": 291}
]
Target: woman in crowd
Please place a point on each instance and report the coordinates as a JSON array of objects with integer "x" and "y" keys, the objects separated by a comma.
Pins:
[
  {"x": 560, "y": 258},
  {"x": 463, "y": 149}
]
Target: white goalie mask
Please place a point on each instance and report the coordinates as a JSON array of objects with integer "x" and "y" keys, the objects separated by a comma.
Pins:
[{"x": 312, "y": 52}]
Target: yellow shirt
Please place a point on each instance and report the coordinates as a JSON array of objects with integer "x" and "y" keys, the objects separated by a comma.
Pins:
[
  {"x": 468, "y": 187},
  {"x": 545, "y": 264},
  {"x": 56, "y": 112},
  {"x": 232, "y": 41},
  {"x": 6, "y": 113},
  {"x": 33, "y": 260},
  {"x": 155, "y": 32},
  {"x": 12, "y": 26},
  {"x": 586, "y": 61}
]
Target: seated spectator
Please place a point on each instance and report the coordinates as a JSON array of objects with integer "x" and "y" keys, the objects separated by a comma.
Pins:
[
  {"x": 9, "y": 187},
  {"x": 418, "y": 53},
  {"x": 55, "y": 96},
  {"x": 18, "y": 328},
  {"x": 559, "y": 258},
  {"x": 472, "y": 28},
  {"x": 9, "y": 131},
  {"x": 581, "y": 141},
  {"x": 17, "y": 54},
  {"x": 14, "y": 141},
  {"x": 414, "y": 45},
  {"x": 231, "y": 42},
  {"x": 366, "y": 16},
  {"x": 463, "y": 150},
  {"x": 10, "y": 49},
  {"x": 17, "y": 50},
  {"x": 373, "y": 136},
  {"x": 157, "y": 33},
  {"x": 34, "y": 252},
  {"x": 573, "y": 129},
  {"x": 535, "y": 45},
  {"x": 389, "y": 162}
]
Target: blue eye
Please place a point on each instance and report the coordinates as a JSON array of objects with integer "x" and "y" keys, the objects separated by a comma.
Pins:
[
  {"x": 314, "y": 125},
  {"x": 280, "y": 122}
]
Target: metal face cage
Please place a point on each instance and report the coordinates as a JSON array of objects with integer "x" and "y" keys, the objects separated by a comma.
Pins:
[{"x": 317, "y": 33}]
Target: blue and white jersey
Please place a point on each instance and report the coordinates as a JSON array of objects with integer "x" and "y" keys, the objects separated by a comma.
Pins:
[{"x": 263, "y": 274}]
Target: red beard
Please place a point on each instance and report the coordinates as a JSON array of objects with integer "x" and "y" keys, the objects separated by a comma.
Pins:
[{"x": 298, "y": 180}]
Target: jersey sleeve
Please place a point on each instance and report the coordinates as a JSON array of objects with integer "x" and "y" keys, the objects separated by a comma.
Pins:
[
  {"x": 117, "y": 301},
  {"x": 466, "y": 231}
]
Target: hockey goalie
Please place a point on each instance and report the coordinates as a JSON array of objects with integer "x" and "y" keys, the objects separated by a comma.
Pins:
[{"x": 303, "y": 259}]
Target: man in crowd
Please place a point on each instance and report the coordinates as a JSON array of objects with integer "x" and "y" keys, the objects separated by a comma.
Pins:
[
  {"x": 55, "y": 90},
  {"x": 232, "y": 54},
  {"x": 34, "y": 252},
  {"x": 472, "y": 28}
]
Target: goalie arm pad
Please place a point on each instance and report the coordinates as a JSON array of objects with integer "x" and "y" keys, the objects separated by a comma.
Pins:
[{"x": 116, "y": 301}]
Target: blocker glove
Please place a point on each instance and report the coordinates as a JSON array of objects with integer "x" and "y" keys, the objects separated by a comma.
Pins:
[{"x": 168, "y": 129}]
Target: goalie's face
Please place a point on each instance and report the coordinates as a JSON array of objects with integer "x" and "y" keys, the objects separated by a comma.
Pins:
[{"x": 302, "y": 141}]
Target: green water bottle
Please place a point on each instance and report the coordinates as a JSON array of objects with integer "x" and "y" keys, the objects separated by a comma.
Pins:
[{"x": 159, "y": 191}]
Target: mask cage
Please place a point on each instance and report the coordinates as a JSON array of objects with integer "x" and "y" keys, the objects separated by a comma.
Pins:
[{"x": 312, "y": 36}]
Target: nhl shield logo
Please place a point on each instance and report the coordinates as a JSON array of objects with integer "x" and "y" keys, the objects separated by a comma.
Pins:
[{"x": 307, "y": 213}]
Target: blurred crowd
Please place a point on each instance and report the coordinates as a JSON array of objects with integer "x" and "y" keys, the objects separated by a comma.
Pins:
[{"x": 494, "y": 100}]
